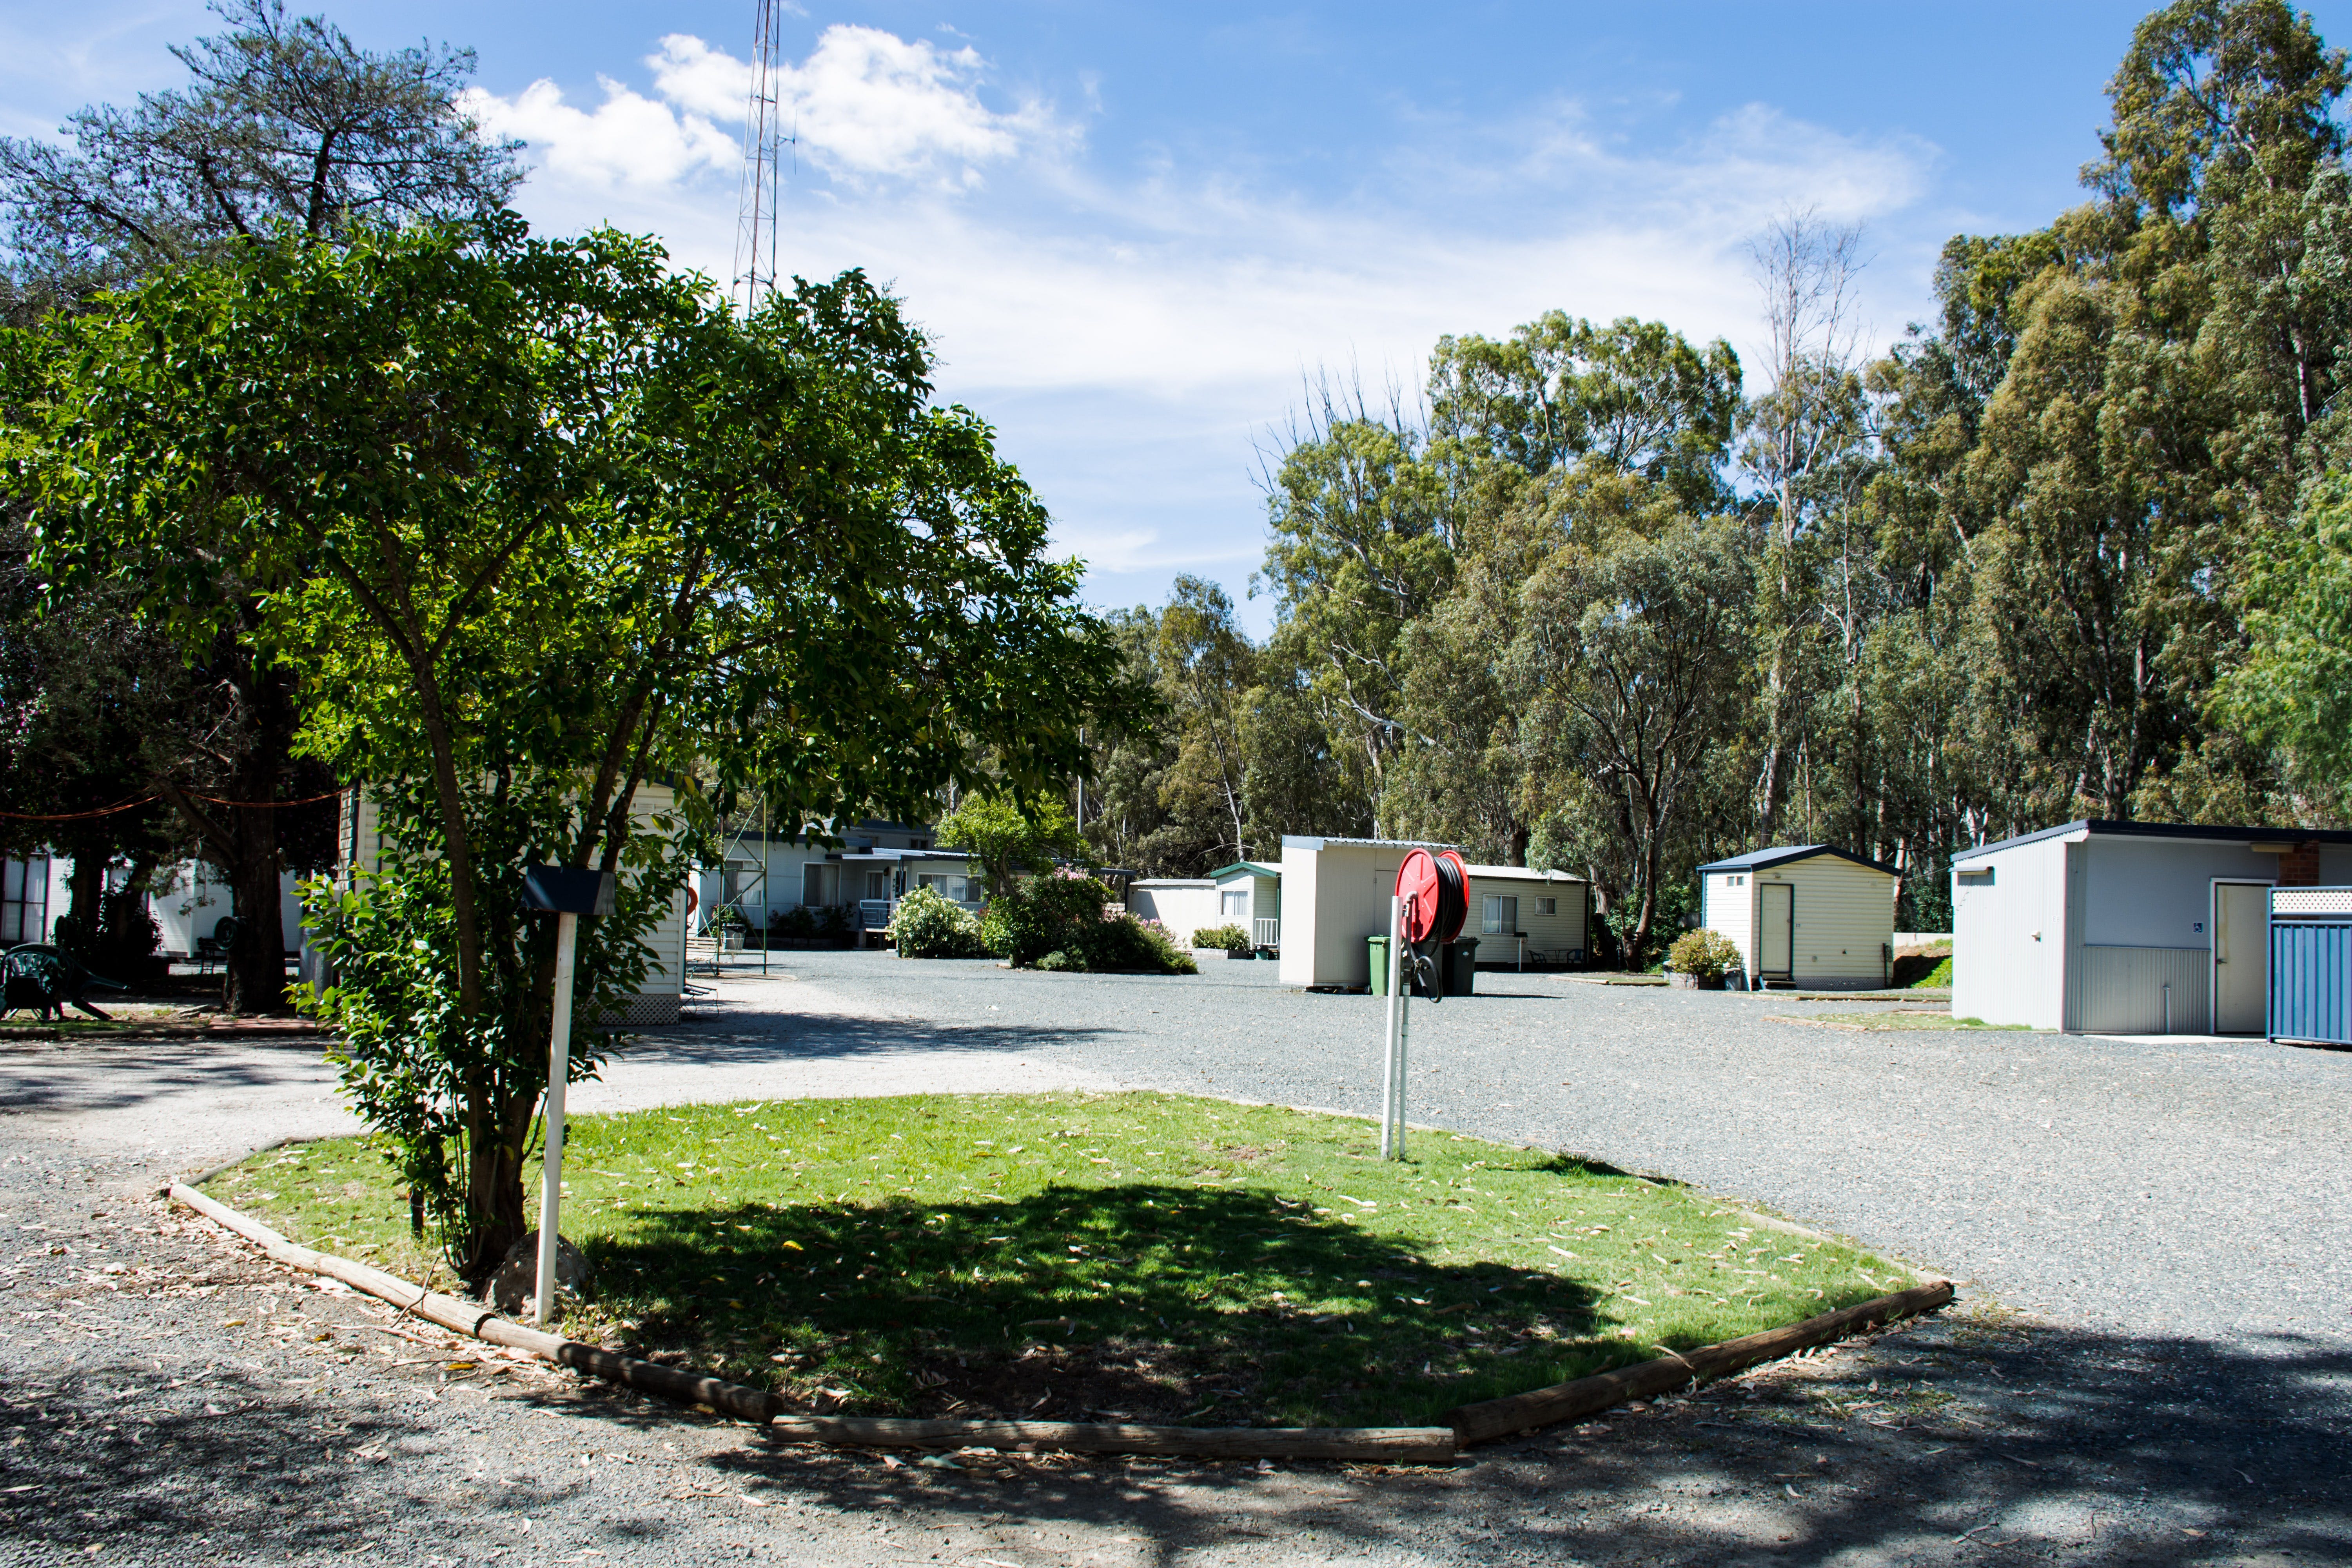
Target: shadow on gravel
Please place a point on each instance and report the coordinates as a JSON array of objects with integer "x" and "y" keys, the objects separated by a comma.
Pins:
[
  {"x": 109, "y": 1075},
  {"x": 797, "y": 1037},
  {"x": 1953, "y": 1442},
  {"x": 104, "y": 1459}
]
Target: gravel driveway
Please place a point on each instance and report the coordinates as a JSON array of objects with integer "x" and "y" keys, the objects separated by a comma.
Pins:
[{"x": 2176, "y": 1389}]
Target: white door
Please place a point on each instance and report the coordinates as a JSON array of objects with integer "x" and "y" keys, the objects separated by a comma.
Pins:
[
  {"x": 2240, "y": 958},
  {"x": 1776, "y": 953}
]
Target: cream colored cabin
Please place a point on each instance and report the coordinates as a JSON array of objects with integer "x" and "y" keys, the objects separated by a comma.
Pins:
[{"x": 1805, "y": 916}]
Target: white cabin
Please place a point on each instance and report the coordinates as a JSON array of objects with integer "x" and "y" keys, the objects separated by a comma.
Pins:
[
  {"x": 2137, "y": 928},
  {"x": 1803, "y": 916}
]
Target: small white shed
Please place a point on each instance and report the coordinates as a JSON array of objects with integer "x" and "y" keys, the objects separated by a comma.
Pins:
[
  {"x": 1249, "y": 895},
  {"x": 1803, "y": 915},
  {"x": 1183, "y": 904},
  {"x": 660, "y": 994},
  {"x": 1335, "y": 895},
  {"x": 2137, "y": 928}
]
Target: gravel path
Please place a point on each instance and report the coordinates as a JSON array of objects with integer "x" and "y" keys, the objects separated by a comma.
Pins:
[{"x": 167, "y": 1397}]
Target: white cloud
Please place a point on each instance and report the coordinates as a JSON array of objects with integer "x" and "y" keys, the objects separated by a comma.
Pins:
[
  {"x": 870, "y": 103},
  {"x": 626, "y": 140},
  {"x": 866, "y": 105},
  {"x": 1135, "y": 332},
  {"x": 700, "y": 80}
]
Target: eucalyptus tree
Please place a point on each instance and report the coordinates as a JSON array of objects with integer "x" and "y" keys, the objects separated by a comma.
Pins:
[
  {"x": 1630, "y": 672},
  {"x": 285, "y": 123}
]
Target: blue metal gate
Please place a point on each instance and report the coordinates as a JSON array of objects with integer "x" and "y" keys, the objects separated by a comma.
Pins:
[{"x": 2311, "y": 964}]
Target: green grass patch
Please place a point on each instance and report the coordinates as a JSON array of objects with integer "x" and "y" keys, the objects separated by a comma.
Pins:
[
  {"x": 1898, "y": 1018},
  {"x": 1939, "y": 976},
  {"x": 1143, "y": 1255}
]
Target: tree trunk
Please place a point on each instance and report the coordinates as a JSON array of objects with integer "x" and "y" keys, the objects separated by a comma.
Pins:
[
  {"x": 496, "y": 1137},
  {"x": 257, "y": 951},
  {"x": 88, "y": 888}
]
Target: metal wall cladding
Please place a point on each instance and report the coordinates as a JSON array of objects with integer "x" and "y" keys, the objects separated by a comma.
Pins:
[
  {"x": 2121, "y": 990},
  {"x": 2311, "y": 981}
]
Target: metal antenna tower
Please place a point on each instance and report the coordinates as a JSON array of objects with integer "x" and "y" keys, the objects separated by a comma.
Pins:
[{"x": 763, "y": 143}]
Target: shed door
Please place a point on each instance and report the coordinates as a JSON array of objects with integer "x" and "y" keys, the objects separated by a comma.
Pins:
[
  {"x": 2240, "y": 958},
  {"x": 1776, "y": 950}
]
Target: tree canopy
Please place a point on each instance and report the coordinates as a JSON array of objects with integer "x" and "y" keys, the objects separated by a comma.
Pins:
[
  {"x": 543, "y": 521},
  {"x": 1610, "y": 601}
]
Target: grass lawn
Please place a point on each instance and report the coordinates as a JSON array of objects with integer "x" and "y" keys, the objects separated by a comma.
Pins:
[
  {"x": 1895, "y": 1018},
  {"x": 1143, "y": 1255}
]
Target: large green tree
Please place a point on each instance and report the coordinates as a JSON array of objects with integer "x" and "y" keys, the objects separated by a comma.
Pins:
[
  {"x": 285, "y": 126},
  {"x": 543, "y": 520}
]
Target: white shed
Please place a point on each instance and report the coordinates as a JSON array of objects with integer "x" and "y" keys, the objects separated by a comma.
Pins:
[
  {"x": 2139, "y": 928},
  {"x": 1249, "y": 895},
  {"x": 1183, "y": 904},
  {"x": 1523, "y": 917},
  {"x": 1803, "y": 915},
  {"x": 1335, "y": 894}
]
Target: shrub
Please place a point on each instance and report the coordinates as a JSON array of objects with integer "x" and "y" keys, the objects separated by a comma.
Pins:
[
  {"x": 927, "y": 925},
  {"x": 1061, "y": 917},
  {"x": 1229, "y": 938},
  {"x": 799, "y": 921},
  {"x": 1708, "y": 955},
  {"x": 834, "y": 924}
]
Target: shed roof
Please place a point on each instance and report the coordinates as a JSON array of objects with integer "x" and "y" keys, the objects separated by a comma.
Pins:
[
  {"x": 1239, "y": 868},
  {"x": 2177, "y": 831},
  {"x": 1782, "y": 855},
  {"x": 1296, "y": 841},
  {"x": 1522, "y": 874}
]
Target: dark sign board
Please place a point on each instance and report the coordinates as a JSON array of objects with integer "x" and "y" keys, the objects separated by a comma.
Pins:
[{"x": 563, "y": 890}]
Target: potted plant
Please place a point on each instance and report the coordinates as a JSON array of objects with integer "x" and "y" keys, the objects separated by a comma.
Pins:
[
  {"x": 728, "y": 926},
  {"x": 1700, "y": 959}
]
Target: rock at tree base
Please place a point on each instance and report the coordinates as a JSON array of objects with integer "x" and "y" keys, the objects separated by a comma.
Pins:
[{"x": 517, "y": 1281}]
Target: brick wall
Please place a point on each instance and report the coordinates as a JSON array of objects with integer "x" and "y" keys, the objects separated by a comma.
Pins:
[{"x": 2299, "y": 867}]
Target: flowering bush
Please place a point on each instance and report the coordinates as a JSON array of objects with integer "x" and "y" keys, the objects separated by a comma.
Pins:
[
  {"x": 1060, "y": 917},
  {"x": 927, "y": 925}
]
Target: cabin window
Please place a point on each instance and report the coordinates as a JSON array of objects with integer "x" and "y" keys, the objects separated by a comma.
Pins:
[
  {"x": 946, "y": 884},
  {"x": 1977, "y": 876},
  {"x": 1235, "y": 903},
  {"x": 1500, "y": 917},
  {"x": 1546, "y": 907}
]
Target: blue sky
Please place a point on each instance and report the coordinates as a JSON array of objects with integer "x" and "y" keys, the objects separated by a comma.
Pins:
[{"x": 1136, "y": 231}]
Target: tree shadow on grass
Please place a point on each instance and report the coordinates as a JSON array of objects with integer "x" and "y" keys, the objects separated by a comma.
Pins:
[{"x": 1153, "y": 1301}]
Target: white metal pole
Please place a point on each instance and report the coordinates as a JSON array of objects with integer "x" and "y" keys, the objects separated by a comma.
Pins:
[
  {"x": 1404, "y": 1036},
  {"x": 1389, "y": 1034},
  {"x": 559, "y": 1073}
]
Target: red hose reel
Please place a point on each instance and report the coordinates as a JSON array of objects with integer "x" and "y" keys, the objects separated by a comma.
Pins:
[{"x": 1436, "y": 893}]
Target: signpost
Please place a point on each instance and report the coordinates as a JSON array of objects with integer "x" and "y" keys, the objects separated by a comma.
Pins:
[
  {"x": 566, "y": 893},
  {"x": 1392, "y": 1071}
]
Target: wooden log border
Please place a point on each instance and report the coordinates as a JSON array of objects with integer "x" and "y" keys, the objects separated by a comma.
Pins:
[
  {"x": 1469, "y": 1424},
  {"x": 1492, "y": 1418}
]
